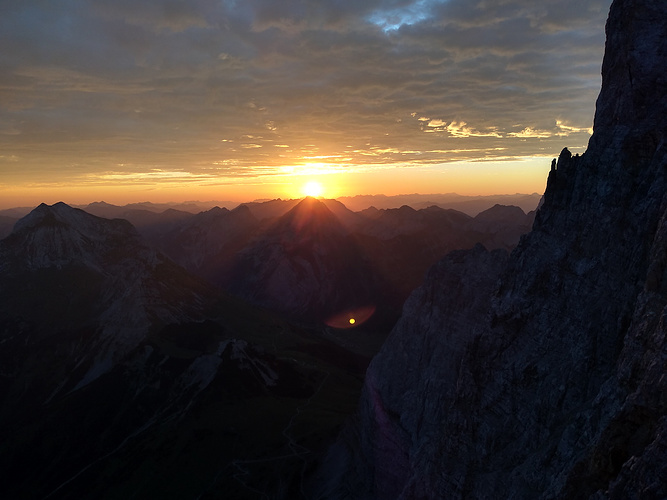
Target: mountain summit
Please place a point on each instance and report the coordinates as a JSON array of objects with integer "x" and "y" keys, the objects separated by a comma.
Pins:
[
  {"x": 60, "y": 234},
  {"x": 541, "y": 376},
  {"x": 306, "y": 265},
  {"x": 311, "y": 218},
  {"x": 64, "y": 270}
]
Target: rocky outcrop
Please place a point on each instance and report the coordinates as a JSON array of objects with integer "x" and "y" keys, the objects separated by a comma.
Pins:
[{"x": 551, "y": 382}]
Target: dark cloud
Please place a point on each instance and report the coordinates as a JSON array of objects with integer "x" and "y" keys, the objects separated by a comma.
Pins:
[{"x": 224, "y": 85}]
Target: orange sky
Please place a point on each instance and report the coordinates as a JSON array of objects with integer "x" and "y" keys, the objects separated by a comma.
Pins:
[
  {"x": 467, "y": 178},
  {"x": 148, "y": 101}
]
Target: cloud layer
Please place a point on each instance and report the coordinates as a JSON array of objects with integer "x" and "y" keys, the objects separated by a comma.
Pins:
[{"x": 91, "y": 89}]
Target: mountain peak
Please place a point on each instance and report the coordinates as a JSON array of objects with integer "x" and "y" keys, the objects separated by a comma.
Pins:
[
  {"x": 57, "y": 213},
  {"x": 62, "y": 213},
  {"x": 242, "y": 209},
  {"x": 58, "y": 234},
  {"x": 311, "y": 215},
  {"x": 311, "y": 203},
  {"x": 102, "y": 204}
]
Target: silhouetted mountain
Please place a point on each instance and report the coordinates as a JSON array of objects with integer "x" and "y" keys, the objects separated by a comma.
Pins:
[
  {"x": 306, "y": 265},
  {"x": 351, "y": 220},
  {"x": 470, "y": 205},
  {"x": 542, "y": 374},
  {"x": 66, "y": 270},
  {"x": 109, "y": 211},
  {"x": 370, "y": 213},
  {"x": 271, "y": 209},
  {"x": 207, "y": 243},
  {"x": 405, "y": 242},
  {"x": 148, "y": 222},
  {"x": 503, "y": 226},
  {"x": 395, "y": 222},
  {"x": 16, "y": 212},
  {"x": 123, "y": 373},
  {"x": 333, "y": 258},
  {"x": 6, "y": 225}
]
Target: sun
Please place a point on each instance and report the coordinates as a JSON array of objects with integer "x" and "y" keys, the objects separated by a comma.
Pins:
[{"x": 312, "y": 188}]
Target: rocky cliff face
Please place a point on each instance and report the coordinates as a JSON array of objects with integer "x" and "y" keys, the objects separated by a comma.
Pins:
[{"x": 542, "y": 377}]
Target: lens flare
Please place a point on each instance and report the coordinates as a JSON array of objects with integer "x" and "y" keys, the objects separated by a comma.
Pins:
[{"x": 351, "y": 318}]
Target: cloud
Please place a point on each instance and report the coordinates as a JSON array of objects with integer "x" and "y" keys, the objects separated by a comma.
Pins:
[
  {"x": 461, "y": 129},
  {"x": 394, "y": 17},
  {"x": 568, "y": 129},
  {"x": 436, "y": 123},
  {"x": 164, "y": 83},
  {"x": 560, "y": 130},
  {"x": 530, "y": 132}
]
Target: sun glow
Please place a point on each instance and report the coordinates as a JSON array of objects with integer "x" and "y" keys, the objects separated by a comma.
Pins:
[{"x": 312, "y": 188}]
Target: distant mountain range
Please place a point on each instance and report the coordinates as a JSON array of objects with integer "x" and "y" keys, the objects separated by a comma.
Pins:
[
  {"x": 121, "y": 371},
  {"x": 314, "y": 259},
  {"x": 471, "y": 205},
  {"x": 142, "y": 353}
]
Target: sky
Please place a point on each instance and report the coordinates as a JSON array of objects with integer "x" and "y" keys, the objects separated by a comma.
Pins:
[{"x": 167, "y": 100}]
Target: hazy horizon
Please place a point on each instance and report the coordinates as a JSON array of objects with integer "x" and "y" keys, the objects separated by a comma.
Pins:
[{"x": 400, "y": 199}]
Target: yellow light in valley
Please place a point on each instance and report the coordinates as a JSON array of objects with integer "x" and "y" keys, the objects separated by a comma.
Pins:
[
  {"x": 352, "y": 321},
  {"x": 312, "y": 188}
]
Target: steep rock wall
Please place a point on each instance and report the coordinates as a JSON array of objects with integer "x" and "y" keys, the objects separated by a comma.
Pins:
[{"x": 558, "y": 388}]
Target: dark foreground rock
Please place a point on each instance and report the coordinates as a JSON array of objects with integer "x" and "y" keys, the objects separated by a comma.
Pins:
[{"x": 552, "y": 382}]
